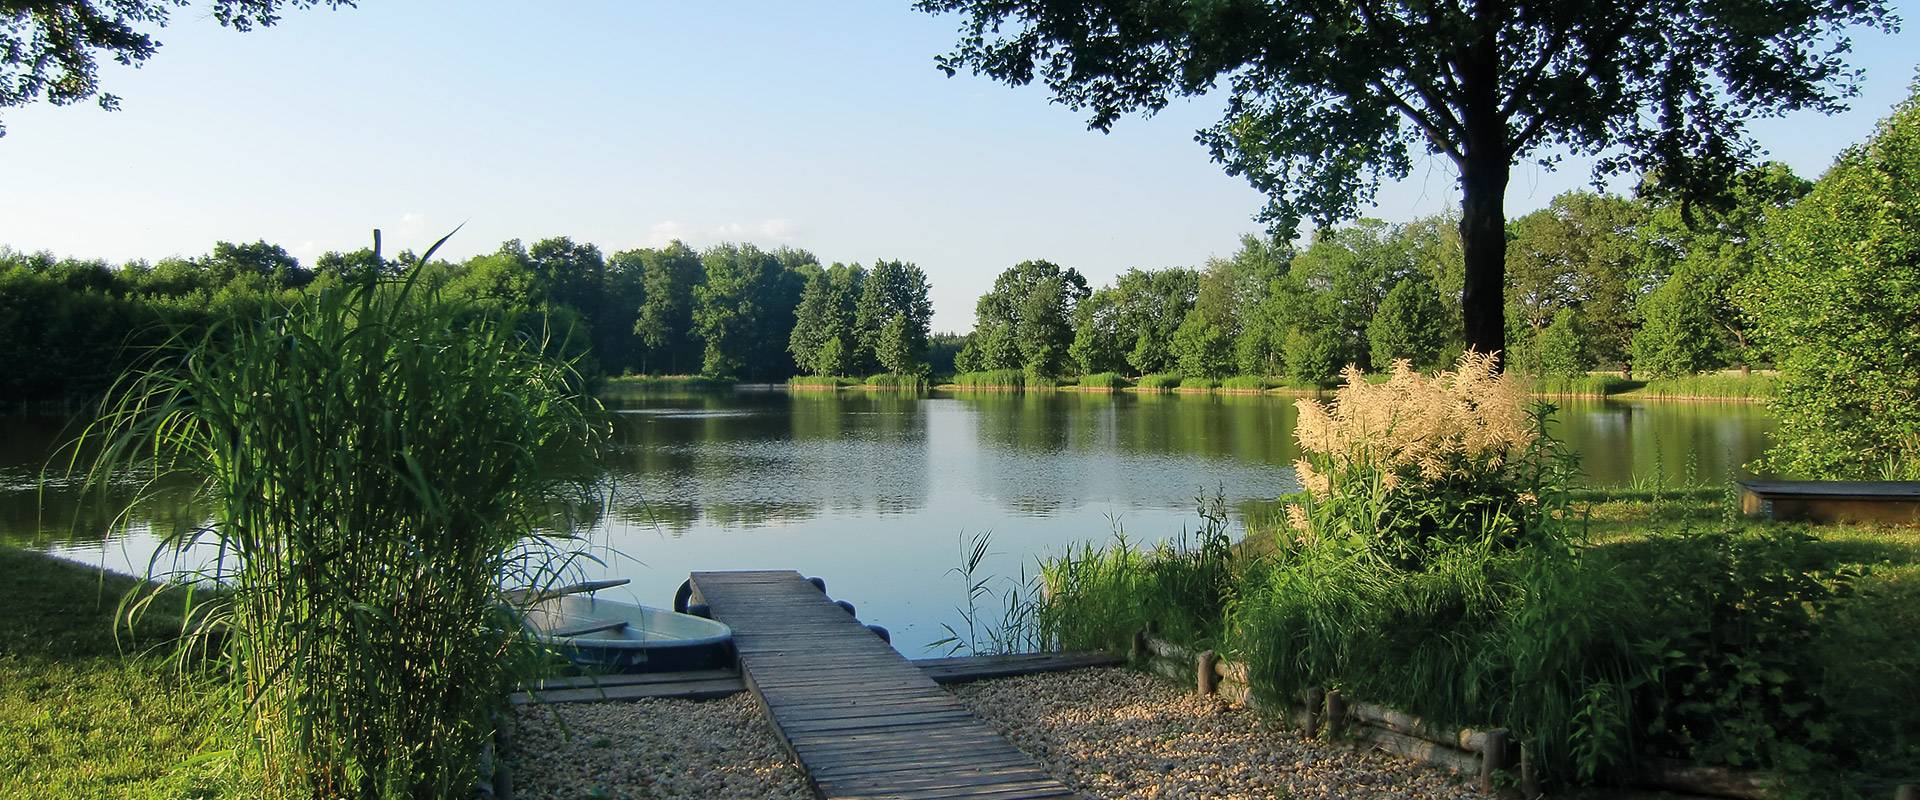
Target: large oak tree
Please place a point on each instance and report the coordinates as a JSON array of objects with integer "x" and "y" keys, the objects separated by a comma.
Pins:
[{"x": 1325, "y": 98}]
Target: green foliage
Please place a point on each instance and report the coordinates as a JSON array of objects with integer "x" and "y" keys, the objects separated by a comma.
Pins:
[
  {"x": 1738, "y": 617},
  {"x": 1312, "y": 357},
  {"x": 1562, "y": 348},
  {"x": 1694, "y": 259},
  {"x": 1319, "y": 114},
  {"x": 1836, "y": 298},
  {"x": 1410, "y": 324},
  {"x": 894, "y": 316},
  {"x": 1199, "y": 384},
  {"x": 825, "y": 339},
  {"x": 1577, "y": 254},
  {"x": 1097, "y": 340},
  {"x": 1677, "y": 334},
  {"x": 1025, "y": 322},
  {"x": 422, "y": 452},
  {"x": 744, "y": 311},
  {"x": 664, "y": 321},
  {"x": 1104, "y": 380},
  {"x": 1159, "y": 381}
]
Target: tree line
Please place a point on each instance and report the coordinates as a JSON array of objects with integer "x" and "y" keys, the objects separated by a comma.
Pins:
[
  {"x": 69, "y": 326},
  {"x": 1643, "y": 283}
]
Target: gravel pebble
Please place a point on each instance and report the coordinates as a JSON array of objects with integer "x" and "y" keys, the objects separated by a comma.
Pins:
[
  {"x": 652, "y": 749},
  {"x": 1108, "y": 733},
  {"x": 1116, "y": 733}
]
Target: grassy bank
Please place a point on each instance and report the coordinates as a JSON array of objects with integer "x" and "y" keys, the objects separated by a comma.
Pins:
[
  {"x": 83, "y": 714},
  {"x": 1672, "y": 629},
  {"x": 1710, "y": 386},
  {"x": 884, "y": 381}
]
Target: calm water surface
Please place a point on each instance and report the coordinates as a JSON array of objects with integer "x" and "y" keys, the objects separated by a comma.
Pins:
[{"x": 878, "y": 494}]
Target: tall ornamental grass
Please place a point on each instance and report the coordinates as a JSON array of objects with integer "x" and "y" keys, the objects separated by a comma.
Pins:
[{"x": 381, "y": 464}]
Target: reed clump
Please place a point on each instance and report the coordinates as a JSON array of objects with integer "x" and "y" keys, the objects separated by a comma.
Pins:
[
  {"x": 382, "y": 465},
  {"x": 1159, "y": 381}
]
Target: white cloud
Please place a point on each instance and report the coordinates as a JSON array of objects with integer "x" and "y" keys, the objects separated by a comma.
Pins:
[
  {"x": 779, "y": 229},
  {"x": 412, "y": 218},
  {"x": 664, "y": 232}
]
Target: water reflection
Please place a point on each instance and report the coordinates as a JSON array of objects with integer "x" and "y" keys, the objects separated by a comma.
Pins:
[{"x": 878, "y": 491}]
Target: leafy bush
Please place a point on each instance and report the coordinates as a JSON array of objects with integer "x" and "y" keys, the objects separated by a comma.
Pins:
[
  {"x": 381, "y": 465},
  {"x": 1836, "y": 298},
  {"x": 1199, "y": 383},
  {"x": 1104, "y": 380},
  {"x": 1159, "y": 381},
  {"x": 1562, "y": 348},
  {"x": 1734, "y": 620}
]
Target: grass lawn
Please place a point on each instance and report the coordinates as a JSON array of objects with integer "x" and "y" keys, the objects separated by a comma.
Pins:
[{"x": 78, "y": 718}]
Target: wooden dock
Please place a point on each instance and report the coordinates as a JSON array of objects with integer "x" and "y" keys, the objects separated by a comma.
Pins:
[
  {"x": 862, "y": 720},
  {"x": 712, "y": 684}
]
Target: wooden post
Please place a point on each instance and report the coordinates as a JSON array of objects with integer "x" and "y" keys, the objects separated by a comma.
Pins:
[
  {"x": 1336, "y": 713},
  {"x": 1316, "y": 704},
  {"x": 1906, "y": 791},
  {"x": 1529, "y": 778},
  {"x": 1138, "y": 653},
  {"x": 1493, "y": 759},
  {"x": 1205, "y": 679}
]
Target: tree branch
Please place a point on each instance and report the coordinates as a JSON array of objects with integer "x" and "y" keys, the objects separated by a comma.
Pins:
[
  {"x": 1531, "y": 77},
  {"x": 1434, "y": 134}
]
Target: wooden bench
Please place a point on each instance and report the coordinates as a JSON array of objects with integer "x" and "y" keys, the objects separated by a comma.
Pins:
[{"x": 1895, "y": 502}]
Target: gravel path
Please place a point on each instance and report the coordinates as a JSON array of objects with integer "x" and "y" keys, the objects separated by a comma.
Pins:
[
  {"x": 1116, "y": 733},
  {"x": 1109, "y": 733},
  {"x": 652, "y": 750}
]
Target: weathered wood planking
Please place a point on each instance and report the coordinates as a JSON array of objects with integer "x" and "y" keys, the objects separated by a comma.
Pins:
[
  {"x": 1895, "y": 502},
  {"x": 862, "y": 720}
]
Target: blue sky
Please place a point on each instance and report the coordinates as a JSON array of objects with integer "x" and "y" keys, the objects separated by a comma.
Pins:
[{"x": 817, "y": 125}]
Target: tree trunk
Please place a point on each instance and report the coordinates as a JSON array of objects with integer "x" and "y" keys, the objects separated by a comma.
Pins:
[
  {"x": 1483, "y": 241},
  {"x": 1485, "y": 162}
]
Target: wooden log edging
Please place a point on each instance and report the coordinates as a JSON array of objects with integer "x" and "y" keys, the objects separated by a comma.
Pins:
[
  {"x": 1328, "y": 712},
  {"x": 1485, "y": 755}
]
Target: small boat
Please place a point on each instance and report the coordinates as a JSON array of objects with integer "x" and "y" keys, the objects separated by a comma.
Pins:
[{"x": 623, "y": 637}]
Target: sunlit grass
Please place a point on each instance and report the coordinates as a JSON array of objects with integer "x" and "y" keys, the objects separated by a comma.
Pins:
[{"x": 381, "y": 466}]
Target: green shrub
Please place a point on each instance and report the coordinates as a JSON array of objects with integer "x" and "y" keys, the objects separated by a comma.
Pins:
[
  {"x": 1199, "y": 383},
  {"x": 1836, "y": 298},
  {"x": 381, "y": 465},
  {"x": 1104, "y": 380},
  {"x": 992, "y": 379},
  {"x": 1159, "y": 381}
]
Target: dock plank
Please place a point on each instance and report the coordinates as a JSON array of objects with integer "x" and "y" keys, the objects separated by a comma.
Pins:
[{"x": 861, "y": 719}]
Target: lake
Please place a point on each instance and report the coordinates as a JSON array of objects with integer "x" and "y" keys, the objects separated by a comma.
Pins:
[{"x": 880, "y": 493}]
